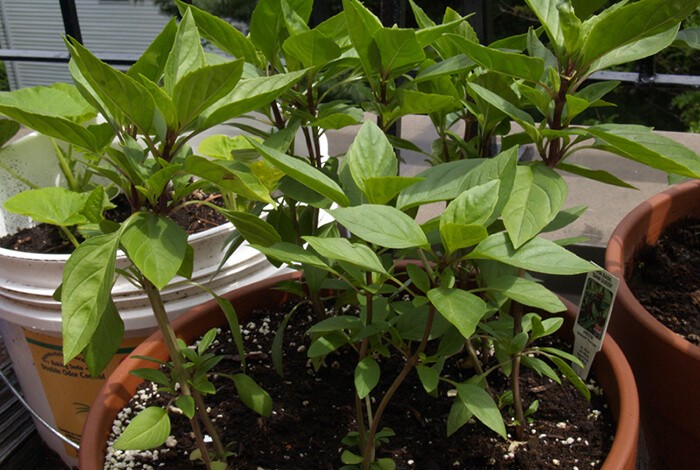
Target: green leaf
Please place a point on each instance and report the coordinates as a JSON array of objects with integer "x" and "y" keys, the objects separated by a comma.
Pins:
[
  {"x": 633, "y": 22},
  {"x": 521, "y": 117},
  {"x": 690, "y": 37},
  {"x": 186, "y": 55},
  {"x": 527, "y": 293},
  {"x": 156, "y": 376},
  {"x": 362, "y": 26},
  {"x": 564, "y": 218},
  {"x": 232, "y": 176},
  {"x": 367, "y": 374},
  {"x": 473, "y": 206},
  {"x": 326, "y": 344},
  {"x": 123, "y": 95},
  {"x": 480, "y": 403},
  {"x": 596, "y": 175},
  {"x": 585, "y": 8},
  {"x": 340, "y": 249},
  {"x": 502, "y": 167},
  {"x": 267, "y": 28},
  {"x": 416, "y": 102},
  {"x": 383, "y": 189},
  {"x": 635, "y": 51},
  {"x": 157, "y": 246},
  {"x": 336, "y": 323},
  {"x": 52, "y": 205},
  {"x": 458, "y": 417},
  {"x": 58, "y": 100},
  {"x": 462, "y": 309},
  {"x": 106, "y": 340},
  {"x": 311, "y": 48},
  {"x": 548, "y": 14},
  {"x": 537, "y": 255},
  {"x": 537, "y": 197},
  {"x": 303, "y": 173},
  {"x": 336, "y": 115},
  {"x": 507, "y": 63},
  {"x": 370, "y": 156},
  {"x": 349, "y": 458},
  {"x": 252, "y": 395},
  {"x": 255, "y": 230},
  {"x": 464, "y": 221},
  {"x": 232, "y": 319},
  {"x": 427, "y": 35},
  {"x": 87, "y": 281},
  {"x": 152, "y": 62},
  {"x": 571, "y": 28},
  {"x": 291, "y": 254},
  {"x": 452, "y": 66},
  {"x": 221, "y": 147},
  {"x": 381, "y": 225},
  {"x": 596, "y": 91},
  {"x": 222, "y": 34},
  {"x": 644, "y": 146},
  {"x": 456, "y": 236},
  {"x": 569, "y": 373},
  {"x": 249, "y": 95},
  {"x": 56, "y": 112},
  {"x": 149, "y": 429},
  {"x": 422, "y": 19},
  {"x": 541, "y": 367},
  {"x": 575, "y": 106},
  {"x": 399, "y": 50},
  {"x": 419, "y": 277},
  {"x": 206, "y": 341},
  {"x": 201, "y": 88},
  {"x": 429, "y": 377},
  {"x": 8, "y": 129},
  {"x": 186, "y": 404},
  {"x": 440, "y": 183}
]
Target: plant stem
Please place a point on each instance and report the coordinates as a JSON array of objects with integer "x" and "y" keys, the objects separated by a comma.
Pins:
[
  {"x": 362, "y": 353},
  {"x": 69, "y": 235},
  {"x": 65, "y": 167},
  {"x": 408, "y": 367},
  {"x": 183, "y": 375},
  {"x": 477, "y": 363},
  {"x": 515, "y": 375}
]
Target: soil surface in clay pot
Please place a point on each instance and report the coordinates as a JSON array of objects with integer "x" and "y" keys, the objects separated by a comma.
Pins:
[
  {"x": 665, "y": 278},
  {"x": 48, "y": 239},
  {"x": 313, "y": 411}
]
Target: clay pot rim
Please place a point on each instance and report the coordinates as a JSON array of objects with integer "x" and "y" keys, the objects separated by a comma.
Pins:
[
  {"x": 615, "y": 262},
  {"x": 107, "y": 405}
]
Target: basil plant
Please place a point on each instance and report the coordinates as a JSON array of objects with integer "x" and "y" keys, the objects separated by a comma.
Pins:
[
  {"x": 467, "y": 275},
  {"x": 548, "y": 71},
  {"x": 139, "y": 147}
]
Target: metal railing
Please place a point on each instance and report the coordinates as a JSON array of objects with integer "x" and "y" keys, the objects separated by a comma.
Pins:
[{"x": 391, "y": 12}]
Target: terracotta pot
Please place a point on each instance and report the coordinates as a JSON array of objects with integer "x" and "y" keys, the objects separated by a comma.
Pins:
[
  {"x": 613, "y": 373},
  {"x": 666, "y": 366}
]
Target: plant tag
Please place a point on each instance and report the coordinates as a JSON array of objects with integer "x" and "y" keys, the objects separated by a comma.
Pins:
[{"x": 593, "y": 316}]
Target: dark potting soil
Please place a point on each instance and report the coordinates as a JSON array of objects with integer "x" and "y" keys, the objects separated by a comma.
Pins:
[
  {"x": 665, "y": 278},
  {"x": 48, "y": 239},
  {"x": 313, "y": 411}
]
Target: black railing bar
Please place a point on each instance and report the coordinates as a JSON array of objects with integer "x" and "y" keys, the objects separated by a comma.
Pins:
[
  {"x": 25, "y": 55},
  {"x": 691, "y": 81},
  {"x": 71, "y": 24}
]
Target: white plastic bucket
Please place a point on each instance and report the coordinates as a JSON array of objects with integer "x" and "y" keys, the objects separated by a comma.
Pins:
[{"x": 30, "y": 320}]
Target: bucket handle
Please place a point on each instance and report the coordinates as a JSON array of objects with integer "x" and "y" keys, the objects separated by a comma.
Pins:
[{"x": 51, "y": 429}]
